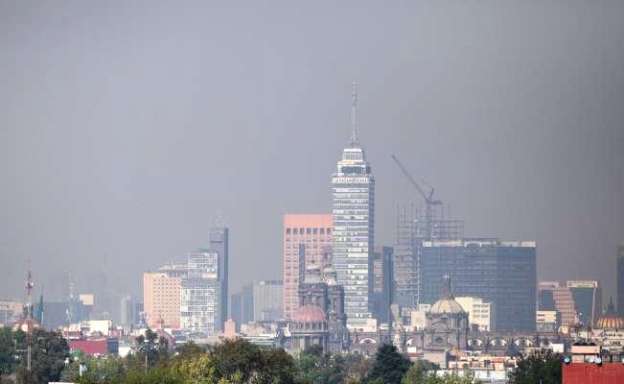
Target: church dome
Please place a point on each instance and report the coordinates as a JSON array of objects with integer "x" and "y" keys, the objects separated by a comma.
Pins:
[
  {"x": 610, "y": 320},
  {"x": 309, "y": 314},
  {"x": 446, "y": 305}
]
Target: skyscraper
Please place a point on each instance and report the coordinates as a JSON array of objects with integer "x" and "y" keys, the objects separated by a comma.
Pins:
[
  {"x": 353, "y": 195},
  {"x": 219, "y": 242},
  {"x": 620, "y": 279},
  {"x": 503, "y": 273},
  {"x": 307, "y": 242},
  {"x": 200, "y": 298}
]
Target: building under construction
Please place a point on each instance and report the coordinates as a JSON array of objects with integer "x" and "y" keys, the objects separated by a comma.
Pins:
[{"x": 413, "y": 227}]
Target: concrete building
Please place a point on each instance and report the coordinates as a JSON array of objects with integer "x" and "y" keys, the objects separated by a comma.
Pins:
[
  {"x": 383, "y": 283},
  {"x": 620, "y": 280},
  {"x": 353, "y": 210},
  {"x": 480, "y": 313},
  {"x": 10, "y": 312},
  {"x": 307, "y": 242},
  {"x": 587, "y": 296},
  {"x": 502, "y": 273},
  {"x": 267, "y": 300},
  {"x": 200, "y": 295},
  {"x": 547, "y": 321},
  {"x": 161, "y": 299}
]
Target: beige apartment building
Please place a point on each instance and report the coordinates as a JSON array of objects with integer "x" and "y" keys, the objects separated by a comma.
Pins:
[
  {"x": 307, "y": 242},
  {"x": 161, "y": 299}
]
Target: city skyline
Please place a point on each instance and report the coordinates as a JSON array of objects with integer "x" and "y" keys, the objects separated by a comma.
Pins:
[{"x": 132, "y": 178}]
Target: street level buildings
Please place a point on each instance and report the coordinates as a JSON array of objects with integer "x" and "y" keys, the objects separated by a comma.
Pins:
[
  {"x": 502, "y": 273},
  {"x": 307, "y": 242}
]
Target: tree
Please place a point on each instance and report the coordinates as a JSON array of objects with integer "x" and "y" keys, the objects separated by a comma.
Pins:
[
  {"x": 49, "y": 351},
  {"x": 248, "y": 363},
  {"x": 418, "y": 372},
  {"x": 539, "y": 367},
  {"x": 389, "y": 366},
  {"x": 7, "y": 352}
]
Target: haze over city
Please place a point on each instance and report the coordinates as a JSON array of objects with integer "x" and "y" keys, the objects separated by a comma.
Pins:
[{"x": 129, "y": 129}]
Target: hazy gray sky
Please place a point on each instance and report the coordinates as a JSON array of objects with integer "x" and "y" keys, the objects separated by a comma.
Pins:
[{"x": 126, "y": 126}]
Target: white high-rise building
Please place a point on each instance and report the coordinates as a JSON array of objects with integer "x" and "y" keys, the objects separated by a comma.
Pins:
[
  {"x": 200, "y": 298},
  {"x": 353, "y": 194}
]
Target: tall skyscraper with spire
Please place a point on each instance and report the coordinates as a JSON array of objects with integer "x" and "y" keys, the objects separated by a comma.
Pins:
[{"x": 353, "y": 194}]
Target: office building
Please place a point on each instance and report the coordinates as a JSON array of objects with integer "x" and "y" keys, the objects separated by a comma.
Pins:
[
  {"x": 241, "y": 308},
  {"x": 382, "y": 283},
  {"x": 267, "y": 300},
  {"x": 480, "y": 313},
  {"x": 553, "y": 295},
  {"x": 587, "y": 297},
  {"x": 620, "y": 279},
  {"x": 353, "y": 211},
  {"x": 161, "y": 300},
  {"x": 200, "y": 298},
  {"x": 126, "y": 311},
  {"x": 219, "y": 242},
  {"x": 501, "y": 273},
  {"x": 307, "y": 242}
]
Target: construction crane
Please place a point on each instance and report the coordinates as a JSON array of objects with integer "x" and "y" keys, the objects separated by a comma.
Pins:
[{"x": 430, "y": 202}]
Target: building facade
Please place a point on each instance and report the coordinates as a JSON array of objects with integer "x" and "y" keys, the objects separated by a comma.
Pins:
[
  {"x": 502, "y": 273},
  {"x": 219, "y": 238},
  {"x": 307, "y": 242},
  {"x": 383, "y": 283},
  {"x": 161, "y": 299},
  {"x": 267, "y": 300},
  {"x": 587, "y": 297},
  {"x": 241, "y": 306},
  {"x": 480, "y": 313},
  {"x": 353, "y": 211},
  {"x": 200, "y": 298}
]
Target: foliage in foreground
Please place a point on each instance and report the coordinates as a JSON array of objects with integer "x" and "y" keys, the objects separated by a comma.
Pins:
[{"x": 539, "y": 367}]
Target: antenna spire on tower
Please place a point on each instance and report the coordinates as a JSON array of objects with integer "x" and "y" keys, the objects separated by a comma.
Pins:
[{"x": 354, "y": 133}]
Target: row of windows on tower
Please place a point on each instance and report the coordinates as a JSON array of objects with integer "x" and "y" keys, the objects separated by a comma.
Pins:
[{"x": 308, "y": 231}]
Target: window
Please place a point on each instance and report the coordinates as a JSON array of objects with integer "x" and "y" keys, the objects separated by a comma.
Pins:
[
  {"x": 288, "y": 231},
  {"x": 308, "y": 230}
]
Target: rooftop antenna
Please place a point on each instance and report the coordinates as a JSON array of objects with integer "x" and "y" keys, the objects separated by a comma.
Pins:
[{"x": 354, "y": 133}]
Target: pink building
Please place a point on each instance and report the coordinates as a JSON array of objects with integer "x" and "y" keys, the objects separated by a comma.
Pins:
[{"x": 307, "y": 242}]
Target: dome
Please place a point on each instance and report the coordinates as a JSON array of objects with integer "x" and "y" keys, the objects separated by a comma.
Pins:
[
  {"x": 309, "y": 314},
  {"x": 446, "y": 305},
  {"x": 610, "y": 320}
]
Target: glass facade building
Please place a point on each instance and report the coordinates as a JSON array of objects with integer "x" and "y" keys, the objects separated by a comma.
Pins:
[
  {"x": 200, "y": 299},
  {"x": 503, "y": 273},
  {"x": 587, "y": 297},
  {"x": 353, "y": 195}
]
